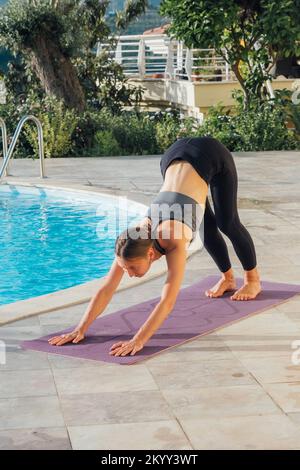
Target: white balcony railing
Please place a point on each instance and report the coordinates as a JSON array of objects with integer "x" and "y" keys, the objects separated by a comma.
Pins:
[{"x": 157, "y": 56}]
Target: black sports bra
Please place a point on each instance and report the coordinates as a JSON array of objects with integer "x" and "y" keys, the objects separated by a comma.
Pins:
[
  {"x": 159, "y": 247},
  {"x": 172, "y": 205}
]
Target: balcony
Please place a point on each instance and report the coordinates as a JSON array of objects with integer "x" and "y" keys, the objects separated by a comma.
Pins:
[{"x": 171, "y": 73}]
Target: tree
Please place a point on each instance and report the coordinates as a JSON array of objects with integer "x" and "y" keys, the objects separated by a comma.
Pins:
[
  {"x": 252, "y": 32},
  {"x": 53, "y": 34}
]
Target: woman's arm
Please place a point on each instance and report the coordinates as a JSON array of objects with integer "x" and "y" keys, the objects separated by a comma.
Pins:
[
  {"x": 176, "y": 261},
  {"x": 102, "y": 298},
  {"x": 96, "y": 306}
]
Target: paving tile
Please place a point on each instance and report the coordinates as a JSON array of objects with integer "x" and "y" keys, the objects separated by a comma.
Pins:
[
  {"x": 17, "y": 383},
  {"x": 67, "y": 315},
  {"x": 286, "y": 395},
  {"x": 220, "y": 402},
  {"x": 35, "y": 439},
  {"x": 259, "y": 345},
  {"x": 115, "y": 407},
  {"x": 266, "y": 323},
  {"x": 108, "y": 378},
  {"x": 295, "y": 418},
  {"x": 293, "y": 305},
  {"x": 158, "y": 435},
  {"x": 13, "y": 335},
  {"x": 24, "y": 360},
  {"x": 272, "y": 432},
  {"x": 187, "y": 375},
  {"x": 30, "y": 412},
  {"x": 278, "y": 369},
  {"x": 31, "y": 321}
]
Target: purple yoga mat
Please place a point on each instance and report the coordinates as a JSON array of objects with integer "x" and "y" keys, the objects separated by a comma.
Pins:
[{"x": 194, "y": 315}]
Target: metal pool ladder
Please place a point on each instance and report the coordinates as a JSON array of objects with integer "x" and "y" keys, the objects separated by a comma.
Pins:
[{"x": 7, "y": 153}]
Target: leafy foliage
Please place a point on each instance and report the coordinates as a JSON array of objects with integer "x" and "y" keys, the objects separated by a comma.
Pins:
[
  {"x": 50, "y": 35},
  {"x": 262, "y": 127},
  {"x": 58, "y": 125},
  {"x": 254, "y": 33}
]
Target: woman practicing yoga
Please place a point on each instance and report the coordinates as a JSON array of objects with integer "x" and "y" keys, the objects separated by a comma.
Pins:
[{"x": 188, "y": 167}]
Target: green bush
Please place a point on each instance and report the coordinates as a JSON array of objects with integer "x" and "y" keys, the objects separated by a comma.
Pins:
[
  {"x": 58, "y": 124},
  {"x": 100, "y": 132},
  {"x": 166, "y": 131},
  {"x": 12, "y": 112},
  {"x": 89, "y": 122},
  {"x": 294, "y": 114},
  {"x": 134, "y": 133},
  {"x": 291, "y": 107},
  {"x": 262, "y": 127},
  {"x": 218, "y": 123},
  {"x": 171, "y": 125},
  {"x": 105, "y": 144}
]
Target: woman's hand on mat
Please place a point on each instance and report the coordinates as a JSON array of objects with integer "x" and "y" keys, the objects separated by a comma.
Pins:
[
  {"x": 74, "y": 336},
  {"x": 125, "y": 347}
]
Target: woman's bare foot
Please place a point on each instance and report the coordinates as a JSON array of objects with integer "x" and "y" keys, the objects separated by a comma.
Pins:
[
  {"x": 251, "y": 287},
  {"x": 226, "y": 283}
]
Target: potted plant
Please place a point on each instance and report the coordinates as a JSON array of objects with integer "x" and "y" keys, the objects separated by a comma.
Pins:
[
  {"x": 205, "y": 59},
  {"x": 158, "y": 75}
]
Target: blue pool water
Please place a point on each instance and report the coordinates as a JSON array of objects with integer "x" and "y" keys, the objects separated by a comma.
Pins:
[{"x": 52, "y": 239}]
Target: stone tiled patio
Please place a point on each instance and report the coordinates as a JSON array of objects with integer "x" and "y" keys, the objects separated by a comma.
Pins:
[{"x": 234, "y": 389}]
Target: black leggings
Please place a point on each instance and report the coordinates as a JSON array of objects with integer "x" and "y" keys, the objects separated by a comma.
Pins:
[
  {"x": 214, "y": 162},
  {"x": 223, "y": 188}
]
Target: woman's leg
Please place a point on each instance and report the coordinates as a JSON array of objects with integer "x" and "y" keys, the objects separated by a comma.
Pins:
[
  {"x": 224, "y": 195},
  {"x": 215, "y": 244},
  {"x": 213, "y": 240}
]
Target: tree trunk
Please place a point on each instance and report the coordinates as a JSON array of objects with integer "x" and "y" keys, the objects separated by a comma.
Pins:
[
  {"x": 235, "y": 68},
  {"x": 56, "y": 72}
]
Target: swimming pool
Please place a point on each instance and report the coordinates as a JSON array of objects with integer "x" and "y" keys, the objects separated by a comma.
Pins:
[{"x": 52, "y": 239}]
